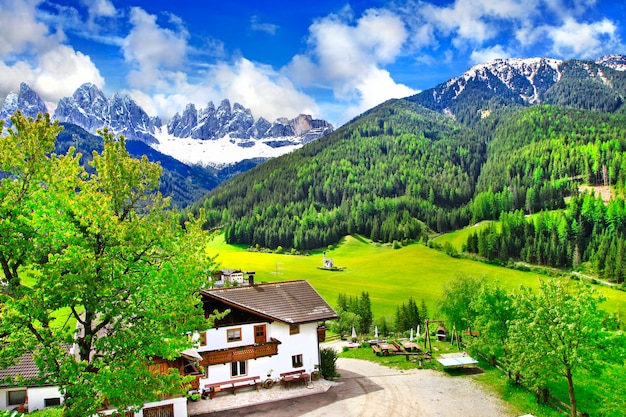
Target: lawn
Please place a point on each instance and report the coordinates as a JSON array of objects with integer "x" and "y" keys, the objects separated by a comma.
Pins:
[{"x": 390, "y": 276}]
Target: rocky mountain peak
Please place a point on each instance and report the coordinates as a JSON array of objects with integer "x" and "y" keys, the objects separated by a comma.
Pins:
[
  {"x": 617, "y": 62},
  {"x": 89, "y": 108},
  {"x": 27, "y": 100}
]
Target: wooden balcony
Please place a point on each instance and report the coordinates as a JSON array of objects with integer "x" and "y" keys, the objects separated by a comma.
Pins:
[{"x": 240, "y": 353}]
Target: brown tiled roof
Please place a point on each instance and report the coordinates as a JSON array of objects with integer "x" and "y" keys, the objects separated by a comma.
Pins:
[
  {"x": 291, "y": 302},
  {"x": 26, "y": 368}
]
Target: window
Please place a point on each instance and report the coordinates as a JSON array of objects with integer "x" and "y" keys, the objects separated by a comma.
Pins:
[
  {"x": 16, "y": 397},
  {"x": 52, "y": 402},
  {"x": 202, "y": 338},
  {"x": 294, "y": 328},
  {"x": 238, "y": 368},
  {"x": 191, "y": 367},
  {"x": 296, "y": 361},
  {"x": 233, "y": 335}
]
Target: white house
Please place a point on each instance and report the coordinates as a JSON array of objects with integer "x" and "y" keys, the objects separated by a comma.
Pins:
[
  {"x": 230, "y": 277},
  {"x": 271, "y": 329},
  {"x": 27, "y": 398}
]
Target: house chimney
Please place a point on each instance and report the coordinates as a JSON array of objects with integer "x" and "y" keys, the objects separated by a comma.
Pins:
[{"x": 250, "y": 278}]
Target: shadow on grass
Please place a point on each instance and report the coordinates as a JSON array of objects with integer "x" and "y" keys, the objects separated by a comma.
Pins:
[{"x": 472, "y": 370}]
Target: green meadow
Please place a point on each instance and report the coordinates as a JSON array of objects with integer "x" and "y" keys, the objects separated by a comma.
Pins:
[
  {"x": 390, "y": 276},
  {"x": 458, "y": 238}
]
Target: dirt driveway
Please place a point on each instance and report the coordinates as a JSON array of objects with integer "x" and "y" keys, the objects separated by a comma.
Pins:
[{"x": 368, "y": 389}]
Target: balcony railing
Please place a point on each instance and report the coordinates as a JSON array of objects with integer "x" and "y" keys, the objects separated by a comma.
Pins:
[{"x": 241, "y": 353}]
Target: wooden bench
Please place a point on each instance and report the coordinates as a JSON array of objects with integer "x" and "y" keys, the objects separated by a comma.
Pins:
[
  {"x": 233, "y": 384},
  {"x": 294, "y": 377},
  {"x": 376, "y": 350}
]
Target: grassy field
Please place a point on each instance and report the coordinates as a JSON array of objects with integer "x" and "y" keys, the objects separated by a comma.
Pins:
[
  {"x": 390, "y": 276},
  {"x": 459, "y": 237}
]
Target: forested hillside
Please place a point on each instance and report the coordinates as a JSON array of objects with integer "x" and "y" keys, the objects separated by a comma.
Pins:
[
  {"x": 401, "y": 169},
  {"x": 390, "y": 174}
]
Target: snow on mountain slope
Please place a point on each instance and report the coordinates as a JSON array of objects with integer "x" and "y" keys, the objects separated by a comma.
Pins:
[{"x": 219, "y": 152}]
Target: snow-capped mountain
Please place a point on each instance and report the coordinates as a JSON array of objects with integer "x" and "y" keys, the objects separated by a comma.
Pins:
[
  {"x": 518, "y": 80},
  {"x": 27, "y": 101},
  {"x": 211, "y": 136},
  {"x": 617, "y": 62},
  {"x": 228, "y": 134},
  {"x": 90, "y": 109}
]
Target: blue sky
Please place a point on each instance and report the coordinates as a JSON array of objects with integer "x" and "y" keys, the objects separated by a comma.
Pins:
[{"x": 330, "y": 58}]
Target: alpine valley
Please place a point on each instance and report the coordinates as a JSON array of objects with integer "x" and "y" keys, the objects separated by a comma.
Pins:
[{"x": 507, "y": 138}]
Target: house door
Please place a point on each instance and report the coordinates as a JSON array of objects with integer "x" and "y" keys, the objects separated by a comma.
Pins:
[
  {"x": 259, "y": 334},
  {"x": 163, "y": 411}
]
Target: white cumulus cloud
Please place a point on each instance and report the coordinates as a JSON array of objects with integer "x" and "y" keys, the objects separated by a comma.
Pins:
[
  {"x": 155, "y": 52},
  {"x": 575, "y": 39},
  {"x": 349, "y": 57},
  {"x": 31, "y": 53}
]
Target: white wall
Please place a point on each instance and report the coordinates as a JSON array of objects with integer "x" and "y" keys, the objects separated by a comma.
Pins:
[
  {"x": 216, "y": 338},
  {"x": 180, "y": 407},
  {"x": 304, "y": 343},
  {"x": 36, "y": 397}
]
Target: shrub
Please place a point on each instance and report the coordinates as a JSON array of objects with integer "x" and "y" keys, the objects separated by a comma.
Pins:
[
  {"x": 47, "y": 412},
  {"x": 328, "y": 365}
]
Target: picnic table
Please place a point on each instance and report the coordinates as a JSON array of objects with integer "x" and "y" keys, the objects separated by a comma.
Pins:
[
  {"x": 387, "y": 348},
  {"x": 411, "y": 346}
]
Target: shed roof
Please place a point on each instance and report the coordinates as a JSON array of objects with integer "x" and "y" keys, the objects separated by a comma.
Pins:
[{"x": 291, "y": 302}]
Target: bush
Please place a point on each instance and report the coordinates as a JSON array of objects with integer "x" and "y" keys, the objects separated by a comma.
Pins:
[
  {"x": 328, "y": 365},
  {"x": 7, "y": 413},
  {"x": 48, "y": 412}
]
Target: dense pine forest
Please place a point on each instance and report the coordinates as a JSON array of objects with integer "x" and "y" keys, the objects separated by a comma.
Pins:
[{"x": 397, "y": 172}]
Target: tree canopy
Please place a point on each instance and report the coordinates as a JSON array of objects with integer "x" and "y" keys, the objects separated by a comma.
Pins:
[
  {"x": 557, "y": 331},
  {"x": 94, "y": 261}
]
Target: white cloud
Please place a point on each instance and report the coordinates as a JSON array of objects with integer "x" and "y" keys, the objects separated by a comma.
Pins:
[
  {"x": 155, "y": 52},
  {"x": 99, "y": 8},
  {"x": 489, "y": 54},
  {"x": 583, "y": 40},
  {"x": 30, "y": 53},
  {"x": 61, "y": 71},
  {"x": 257, "y": 25},
  {"x": 258, "y": 87},
  {"x": 473, "y": 21},
  {"x": 20, "y": 31},
  {"x": 350, "y": 56}
]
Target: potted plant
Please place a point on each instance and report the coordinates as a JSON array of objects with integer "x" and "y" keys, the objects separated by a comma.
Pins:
[{"x": 193, "y": 395}]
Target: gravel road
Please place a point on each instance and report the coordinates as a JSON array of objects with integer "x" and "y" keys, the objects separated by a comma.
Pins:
[{"x": 369, "y": 389}]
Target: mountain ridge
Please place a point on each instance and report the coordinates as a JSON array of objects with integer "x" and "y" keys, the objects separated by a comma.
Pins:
[
  {"x": 90, "y": 109},
  {"x": 521, "y": 81}
]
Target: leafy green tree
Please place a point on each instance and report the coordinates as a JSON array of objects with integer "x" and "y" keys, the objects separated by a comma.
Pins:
[
  {"x": 558, "y": 330},
  {"x": 99, "y": 250},
  {"x": 494, "y": 311},
  {"x": 456, "y": 302}
]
